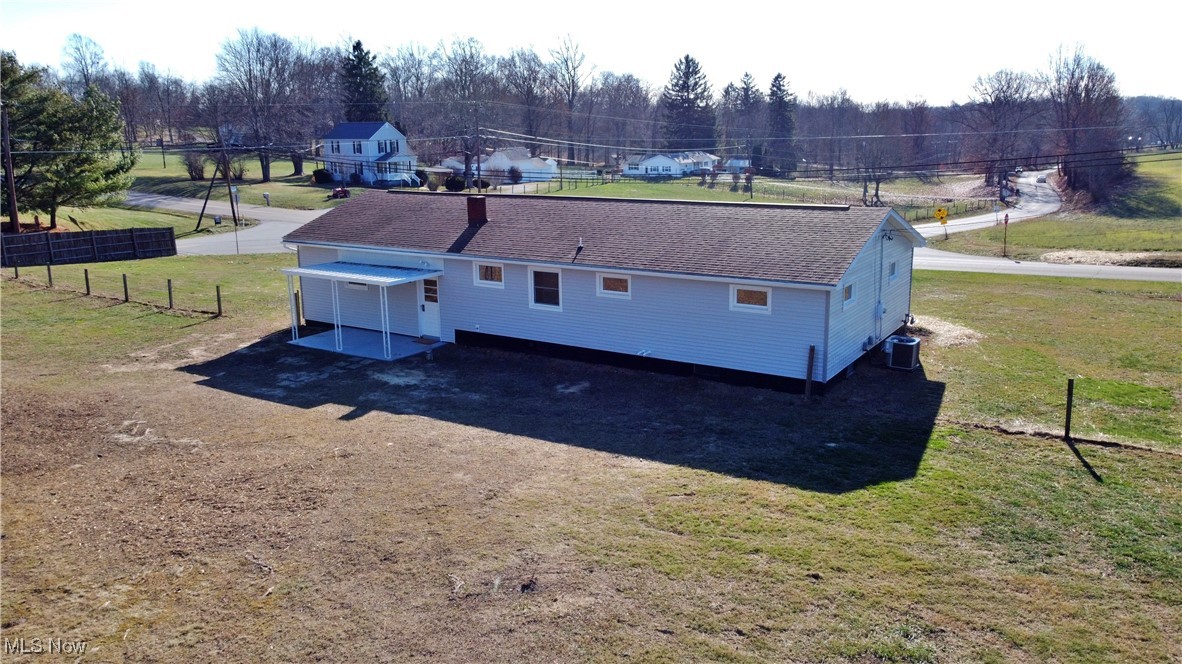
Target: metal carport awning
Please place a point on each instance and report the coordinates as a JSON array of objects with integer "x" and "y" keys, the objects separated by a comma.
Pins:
[{"x": 382, "y": 276}]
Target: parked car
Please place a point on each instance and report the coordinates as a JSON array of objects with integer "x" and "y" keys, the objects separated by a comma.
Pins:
[{"x": 1041, "y": 178}]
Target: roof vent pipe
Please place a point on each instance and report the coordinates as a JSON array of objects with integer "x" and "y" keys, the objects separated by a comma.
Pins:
[{"x": 477, "y": 210}]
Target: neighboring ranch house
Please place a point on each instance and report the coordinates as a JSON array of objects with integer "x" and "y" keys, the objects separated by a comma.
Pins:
[
  {"x": 741, "y": 287},
  {"x": 675, "y": 165},
  {"x": 497, "y": 165},
  {"x": 372, "y": 153}
]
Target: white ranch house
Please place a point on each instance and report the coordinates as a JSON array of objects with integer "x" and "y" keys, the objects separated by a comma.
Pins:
[
  {"x": 372, "y": 153},
  {"x": 741, "y": 287},
  {"x": 497, "y": 165},
  {"x": 673, "y": 165}
]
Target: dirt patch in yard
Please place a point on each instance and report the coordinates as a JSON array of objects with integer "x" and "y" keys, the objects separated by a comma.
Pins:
[{"x": 943, "y": 333}]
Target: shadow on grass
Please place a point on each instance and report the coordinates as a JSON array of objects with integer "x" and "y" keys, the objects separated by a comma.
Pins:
[
  {"x": 872, "y": 428},
  {"x": 1142, "y": 198}
]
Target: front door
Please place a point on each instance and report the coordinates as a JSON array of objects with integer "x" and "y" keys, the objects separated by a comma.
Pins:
[{"x": 429, "y": 308}]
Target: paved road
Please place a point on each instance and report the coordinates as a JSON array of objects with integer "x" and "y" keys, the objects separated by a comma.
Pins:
[
  {"x": 264, "y": 238},
  {"x": 1036, "y": 200}
]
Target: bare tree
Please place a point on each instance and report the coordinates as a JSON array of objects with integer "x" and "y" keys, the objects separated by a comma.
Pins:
[
  {"x": 628, "y": 116},
  {"x": 412, "y": 73},
  {"x": 524, "y": 77},
  {"x": 84, "y": 65},
  {"x": 880, "y": 150},
  {"x": 569, "y": 75},
  {"x": 1001, "y": 109},
  {"x": 466, "y": 82},
  {"x": 1089, "y": 117},
  {"x": 261, "y": 71}
]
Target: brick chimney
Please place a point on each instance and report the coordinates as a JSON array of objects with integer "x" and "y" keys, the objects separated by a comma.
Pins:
[{"x": 477, "y": 211}]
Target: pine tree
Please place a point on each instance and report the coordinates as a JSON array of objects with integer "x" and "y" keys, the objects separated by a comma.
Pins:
[
  {"x": 363, "y": 87},
  {"x": 687, "y": 109},
  {"x": 781, "y": 108}
]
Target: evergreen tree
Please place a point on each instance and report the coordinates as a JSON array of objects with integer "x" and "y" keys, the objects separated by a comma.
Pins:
[
  {"x": 67, "y": 152},
  {"x": 363, "y": 87},
  {"x": 687, "y": 109},
  {"x": 781, "y": 108}
]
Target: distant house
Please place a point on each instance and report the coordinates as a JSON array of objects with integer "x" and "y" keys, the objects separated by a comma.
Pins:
[
  {"x": 670, "y": 165},
  {"x": 752, "y": 288},
  {"x": 497, "y": 165},
  {"x": 735, "y": 165},
  {"x": 373, "y": 153}
]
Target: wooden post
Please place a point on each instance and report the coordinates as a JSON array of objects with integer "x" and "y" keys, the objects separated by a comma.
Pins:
[
  {"x": 86, "y": 276},
  {"x": 808, "y": 379},
  {"x": 18, "y": 271},
  {"x": 49, "y": 274},
  {"x": 170, "y": 293},
  {"x": 219, "y": 293},
  {"x": 126, "y": 294},
  {"x": 1070, "y": 397}
]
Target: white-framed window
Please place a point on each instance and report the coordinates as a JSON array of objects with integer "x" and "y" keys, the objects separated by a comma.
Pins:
[
  {"x": 491, "y": 275},
  {"x": 848, "y": 294},
  {"x": 545, "y": 288},
  {"x": 334, "y": 147},
  {"x": 751, "y": 298},
  {"x": 356, "y": 147},
  {"x": 893, "y": 271},
  {"x": 613, "y": 285}
]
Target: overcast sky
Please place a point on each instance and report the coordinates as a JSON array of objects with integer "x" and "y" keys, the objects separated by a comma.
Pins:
[{"x": 898, "y": 51}]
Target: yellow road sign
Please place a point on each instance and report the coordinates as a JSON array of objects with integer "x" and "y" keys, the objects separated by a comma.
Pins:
[{"x": 942, "y": 215}]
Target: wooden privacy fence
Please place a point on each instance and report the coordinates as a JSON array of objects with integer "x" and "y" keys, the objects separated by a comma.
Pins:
[{"x": 45, "y": 248}]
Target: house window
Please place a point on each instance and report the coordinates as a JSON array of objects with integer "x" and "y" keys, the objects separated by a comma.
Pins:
[
  {"x": 489, "y": 274},
  {"x": 395, "y": 148},
  {"x": 751, "y": 298},
  {"x": 335, "y": 147},
  {"x": 545, "y": 289},
  {"x": 893, "y": 271},
  {"x": 356, "y": 147},
  {"x": 847, "y": 295},
  {"x": 614, "y": 285}
]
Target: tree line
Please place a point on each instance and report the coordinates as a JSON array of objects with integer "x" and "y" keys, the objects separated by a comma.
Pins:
[{"x": 276, "y": 96}]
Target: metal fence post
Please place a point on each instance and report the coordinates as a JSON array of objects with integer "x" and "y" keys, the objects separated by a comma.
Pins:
[
  {"x": 219, "y": 294},
  {"x": 126, "y": 294},
  {"x": 86, "y": 276}
]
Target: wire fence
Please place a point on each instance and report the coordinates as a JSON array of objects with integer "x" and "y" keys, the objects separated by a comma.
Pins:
[{"x": 162, "y": 295}]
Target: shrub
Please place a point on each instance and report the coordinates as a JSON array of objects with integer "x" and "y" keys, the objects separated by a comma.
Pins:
[
  {"x": 421, "y": 175},
  {"x": 321, "y": 176},
  {"x": 195, "y": 165},
  {"x": 454, "y": 183},
  {"x": 514, "y": 175}
]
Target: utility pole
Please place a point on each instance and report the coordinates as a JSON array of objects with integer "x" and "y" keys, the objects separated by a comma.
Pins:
[{"x": 9, "y": 179}]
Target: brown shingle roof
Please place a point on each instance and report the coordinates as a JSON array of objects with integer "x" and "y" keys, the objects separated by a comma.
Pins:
[{"x": 805, "y": 244}]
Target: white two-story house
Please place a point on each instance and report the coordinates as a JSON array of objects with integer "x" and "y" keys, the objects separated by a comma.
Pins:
[{"x": 373, "y": 153}]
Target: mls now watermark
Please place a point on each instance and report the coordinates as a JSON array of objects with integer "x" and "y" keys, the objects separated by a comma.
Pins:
[{"x": 39, "y": 646}]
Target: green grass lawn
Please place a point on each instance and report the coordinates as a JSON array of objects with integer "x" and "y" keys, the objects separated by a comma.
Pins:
[
  {"x": 119, "y": 217},
  {"x": 169, "y": 177},
  {"x": 1144, "y": 216}
]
